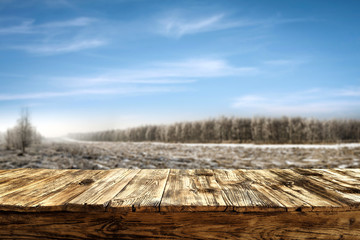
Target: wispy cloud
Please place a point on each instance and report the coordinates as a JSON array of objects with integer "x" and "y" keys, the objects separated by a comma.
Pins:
[
  {"x": 86, "y": 92},
  {"x": 57, "y": 3},
  {"x": 185, "y": 71},
  {"x": 177, "y": 25},
  {"x": 201, "y": 68},
  {"x": 30, "y": 27},
  {"x": 76, "y": 22},
  {"x": 282, "y": 66},
  {"x": 31, "y": 3},
  {"x": 354, "y": 92},
  {"x": 284, "y": 62},
  {"x": 309, "y": 102},
  {"x": 54, "y": 37},
  {"x": 115, "y": 78},
  {"x": 25, "y": 27},
  {"x": 180, "y": 26},
  {"x": 248, "y": 99},
  {"x": 49, "y": 49},
  {"x": 169, "y": 76}
]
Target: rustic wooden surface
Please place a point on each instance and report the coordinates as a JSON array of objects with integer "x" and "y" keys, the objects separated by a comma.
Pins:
[
  {"x": 176, "y": 190},
  {"x": 174, "y": 203},
  {"x": 180, "y": 225}
]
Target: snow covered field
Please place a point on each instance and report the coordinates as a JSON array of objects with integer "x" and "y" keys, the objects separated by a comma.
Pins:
[
  {"x": 277, "y": 146},
  {"x": 105, "y": 155}
]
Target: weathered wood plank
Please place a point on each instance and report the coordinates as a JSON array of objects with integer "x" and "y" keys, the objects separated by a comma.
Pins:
[
  {"x": 192, "y": 190},
  {"x": 142, "y": 193},
  {"x": 99, "y": 195},
  {"x": 337, "y": 188},
  {"x": 350, "y": 175},
  {"x": 15, "y": 194},
  {"x": 59, "y": 199},
  {"x": 17, "y": 180},
  {"x": 10, "y": 172},
  {"x": 180, "y": 190},
  {"x": 242, "y": 195},
  {"x": 309, "y": 191},
  {"x": 231, "y": 189},
  {"x": 180, "y": 204},
  {"x": 180, "y": 225},
  {"x": 31, "y": 196},
  {"x": 265, "y": 184}
]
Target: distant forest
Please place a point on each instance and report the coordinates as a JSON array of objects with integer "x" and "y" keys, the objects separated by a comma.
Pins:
[{"x": 238, "y": 130}]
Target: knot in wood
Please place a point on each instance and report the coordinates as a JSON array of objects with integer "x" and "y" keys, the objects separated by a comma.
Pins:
[
  {"x": 288, "y": 183},
  {"x": 87, "y": 181}
]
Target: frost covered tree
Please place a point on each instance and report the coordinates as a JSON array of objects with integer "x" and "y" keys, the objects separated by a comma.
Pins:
[
  {"x": 23, "y": 134},
  {"x": 24, "y": 130},
  {"x": 245, "y": 130}
]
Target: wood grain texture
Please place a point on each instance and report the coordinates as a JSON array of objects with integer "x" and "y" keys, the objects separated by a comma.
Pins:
[
  {"x": 246, "y": 193},
  {"x": 14, "y": 181},
  {"x": 181, "y": 225},
  {"x": 177, "y": 190},
  {"x": 180, "y": 204},
  {"x": 142, "y": 193},
  {"x": 192, "y": 190},
  {"x": 72, "y": 187},
  {"x": 99, "y": 195}
]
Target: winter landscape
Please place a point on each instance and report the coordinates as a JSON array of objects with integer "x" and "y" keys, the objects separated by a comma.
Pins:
[
  {"x": 179, "y": 84},
  {"x": 71, "y": 154},
  {"x": 225, "y": 142},
  {"x": 185, "y": 119}
]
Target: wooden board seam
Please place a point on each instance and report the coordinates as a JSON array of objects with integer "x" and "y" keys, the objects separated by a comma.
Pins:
[
  {"x": 162, "y": 195},
  {"x": 107, "y": 207}
]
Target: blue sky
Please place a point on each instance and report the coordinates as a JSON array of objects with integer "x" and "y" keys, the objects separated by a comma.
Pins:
[{"x": 94, "y": 65}]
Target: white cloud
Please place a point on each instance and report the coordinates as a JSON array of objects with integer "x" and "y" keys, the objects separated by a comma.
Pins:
[
  {"x": 126, "y": 81},
  {"x": 288, "y": 62},
  {"x": 54, "y": 37},
  {"x": 76, "y": 22},
  {"x": 180, "y": 26},
  {"x": 313, "y": 108},
  {"x": 280, "y": 62},
  {"x": 57, "y": 3},
  {"x": 177, "y": 25},
  {"x": 31, "y": 3},
  {"x": 309, "y": 102},
  {"x": 117, "y": 78},
  {"x": 355, "y": 92},
  {"x": 186, "y": 71},
  {"x": 74, "y": 46},
  {"x": 26, "y": 27},
  {"x": 248, "y": 99},
  {"x": 84, "y": 92},
  {"x": 29, "y": 26},
  {"x": 201, "y": 68}
]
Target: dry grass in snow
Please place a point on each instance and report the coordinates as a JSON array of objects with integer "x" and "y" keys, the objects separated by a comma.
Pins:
[{"x": 106, "y": 155}]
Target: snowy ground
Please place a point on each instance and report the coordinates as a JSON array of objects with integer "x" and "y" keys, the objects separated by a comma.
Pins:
[
  {"x": 104, "y": 155},
  {"x": 277, "y": 146}
]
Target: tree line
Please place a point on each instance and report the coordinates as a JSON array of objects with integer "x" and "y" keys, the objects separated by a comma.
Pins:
[{"x": 238, "y": 130}]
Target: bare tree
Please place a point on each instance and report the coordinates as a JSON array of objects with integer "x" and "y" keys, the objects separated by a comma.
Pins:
[
  {"x": 24, "y": 130},
  {"x": 224, "y": 129},
  {"x": 11, "y": 139},
  {"x": 23, "y": 134}
]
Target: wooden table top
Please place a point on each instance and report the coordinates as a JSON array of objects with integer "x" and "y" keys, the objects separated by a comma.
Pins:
[{"x": 177, "y": 190}]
